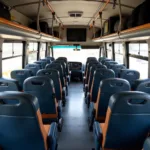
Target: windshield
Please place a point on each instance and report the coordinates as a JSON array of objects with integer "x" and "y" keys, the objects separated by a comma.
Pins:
[{"x": 79, "y": 55}]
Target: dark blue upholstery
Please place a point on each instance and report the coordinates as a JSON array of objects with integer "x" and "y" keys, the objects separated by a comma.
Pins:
[
  {"x": 20, "y": 76},
  {"x": 101, "y": 58},
  {"x": 58, "y": 67},
  {"x": 48, "y": 61},
  {"x": 66, "y": 63},
  {"x": 144, "y": 86},
  {"x": 108, "y": 87},
  {"x": 130, "y": 75},
  {"x": 117, "y": 68},
  {"x": 51, "y": 58},
  {"x": 129, "y": 121},
  {"x": 33, "y": 67},
  {"x": 42, "y": 63},
  {"x": 90, "y": 58},
  {"x": 42, "y": 88},
  {"x": 138, "y": 82},
  {"x": 110, "y": 63},
  {"x": 8, "y": 85},
  {"x": 89, "y": 65},
  {"x": 104, "y": 60},
  {"x": 54, "y": 75},
  {"x": 20, "y": 128},
  {"x": 99, "y": 75},
  {"x": 61, "y": 62},
  {"x": 147, "y": 144},
  {"x": 92, "y": 70}
]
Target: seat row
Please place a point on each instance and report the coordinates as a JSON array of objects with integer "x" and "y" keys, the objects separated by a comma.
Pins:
[
  {"x": 114, "y": 109},
  {"x": 42, "y": 93}
]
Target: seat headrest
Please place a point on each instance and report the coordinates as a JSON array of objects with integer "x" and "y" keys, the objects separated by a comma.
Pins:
[
  {"x": 8, "y": 85},
  {"x": 114, "y": 84},
  {"x": 21, "y": 73},
  {"x": 104, "y": 60},
  {"x": 32, "y": 66},
  {"x": 48, "y": 72},
  {"x": 110, "y": 62},
  {"x": 118, "y": 66},
  {"x": 42, "y": 63},
  {"x": 51, "y": 58},
  {"x": 27, "y": 104},
  {"x": 138, "y": 82},
  {"x": 144, "y": 86},
  {"x": 46, "y": 60},
  {"x": 130, "y": 103},
  {"x": 97, "y": 66},
  {"x": 104, "y": 73},
  {"x": 129, "y": 73},
  {"x": 37, "y": 82},
  {"x": 54, "y": 65}
]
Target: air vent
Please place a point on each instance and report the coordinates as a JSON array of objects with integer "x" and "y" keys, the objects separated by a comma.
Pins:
[{"x": 75, "y": 14}]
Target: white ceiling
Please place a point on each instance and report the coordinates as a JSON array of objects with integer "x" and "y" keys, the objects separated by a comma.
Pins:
[{"x": 61, "y": 7}]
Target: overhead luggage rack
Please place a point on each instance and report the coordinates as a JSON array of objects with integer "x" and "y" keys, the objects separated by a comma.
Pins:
[
  {"x": 140, "y": 32},
  {"x": 11, "y": 30}
]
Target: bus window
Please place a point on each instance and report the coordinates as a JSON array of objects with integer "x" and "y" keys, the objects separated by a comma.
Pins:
[
  {"x": 119, "y": 53},
  {"x": 33, "y": 47},
  {"x": 73, "y": 55},
  {"x": 109, "y": 50},
  {"x": 138, "y": 52},
  {"x": 43, "y": 50},
  {"x": 11, "y": 58}
]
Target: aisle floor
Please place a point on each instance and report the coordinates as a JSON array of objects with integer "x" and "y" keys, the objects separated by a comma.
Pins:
[{"x": 75, "y": 134}]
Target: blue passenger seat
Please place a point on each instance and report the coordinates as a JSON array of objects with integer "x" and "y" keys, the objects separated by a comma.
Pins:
[
  {"x": 117, "y": 68},
  {"x": 33, "y": 67},
  {"x": 127, "y": 122},
  {"x": 130, "y": 75},
  {"x": 107, "y": 88},
  {"x": 20, "y": 76},
  {"x": 42, "y": 63},
  {"x": 54, "y": 75},
  {"x": 42, "y": 87},
  {"x": 23, "y": 124}
]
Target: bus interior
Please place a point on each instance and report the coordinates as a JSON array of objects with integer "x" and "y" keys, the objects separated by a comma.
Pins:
[{"x": 74, "y": 75}]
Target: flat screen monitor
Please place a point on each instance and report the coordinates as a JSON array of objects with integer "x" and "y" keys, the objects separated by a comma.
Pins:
[{"x": 76, "y": 34}]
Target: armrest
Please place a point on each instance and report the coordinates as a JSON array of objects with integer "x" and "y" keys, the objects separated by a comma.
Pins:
[
  {"x": 52, "y": 136},
  {"x": 88, "y": 99},
  {"x": 59, "y": 109}
]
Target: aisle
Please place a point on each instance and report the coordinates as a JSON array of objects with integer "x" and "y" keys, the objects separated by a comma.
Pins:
[{"x": 75, "y": 134}]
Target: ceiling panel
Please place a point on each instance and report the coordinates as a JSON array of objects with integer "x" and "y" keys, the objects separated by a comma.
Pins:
[{"x": 62, "y": 7}]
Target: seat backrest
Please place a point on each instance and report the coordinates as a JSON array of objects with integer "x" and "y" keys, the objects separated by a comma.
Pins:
[
  {"x": 144, "y": 86},
  {"x": 101, "y": 58},
  {"x": 42, "y": 88},
  {"x": 42, "y": 63},
  {"x": 54, "y": 75},
  {"x": 89, "y": 65},
  {"x": 20, "y": 76},
  {"x": 62, "y": 58},
  {"x": 33, "y": 67},
  {"x": 66, "y": 63},
  {"x": 86, "y": 66},
  {"x": 107, "y": 88},
  {"x": 104, "y": 60},
  {"x": 51, "y": 58},
  {"x": 99, "y": 75},
  {"x": 109, "y": 63},
  {"x": 138, "y": 82},
  {"x": 147, "y": 144},
  {"x": 127, "y": 121},
  {"x": 22, "y": 121},
  {"x": 8, "y": 85},
  {"x": 130, "y": 75},
  {"x": 90, "y": 58},
  {"x": 92, "y": 70},
  {"x": 48, "y": 61},
  {"x": 117, "y": 68},
  {"x": 63, "y": 65},
  {"x": 58, "y": 67}
]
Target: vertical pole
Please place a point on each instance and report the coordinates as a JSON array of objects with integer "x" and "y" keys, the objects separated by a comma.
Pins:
[
  {"x": 105, "y": 50},
  {"x": 126, "y": 54},
  {"x": 46, "y": 52},
  {"x": 38, "y": 51},
  {"x": 100, "y": 51},
  {"x": 113, "y": 50},
  {"x": 1, "y": 50},
  {"x": 25, "y": 54},
  {"x": 148, "y": 42}
]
